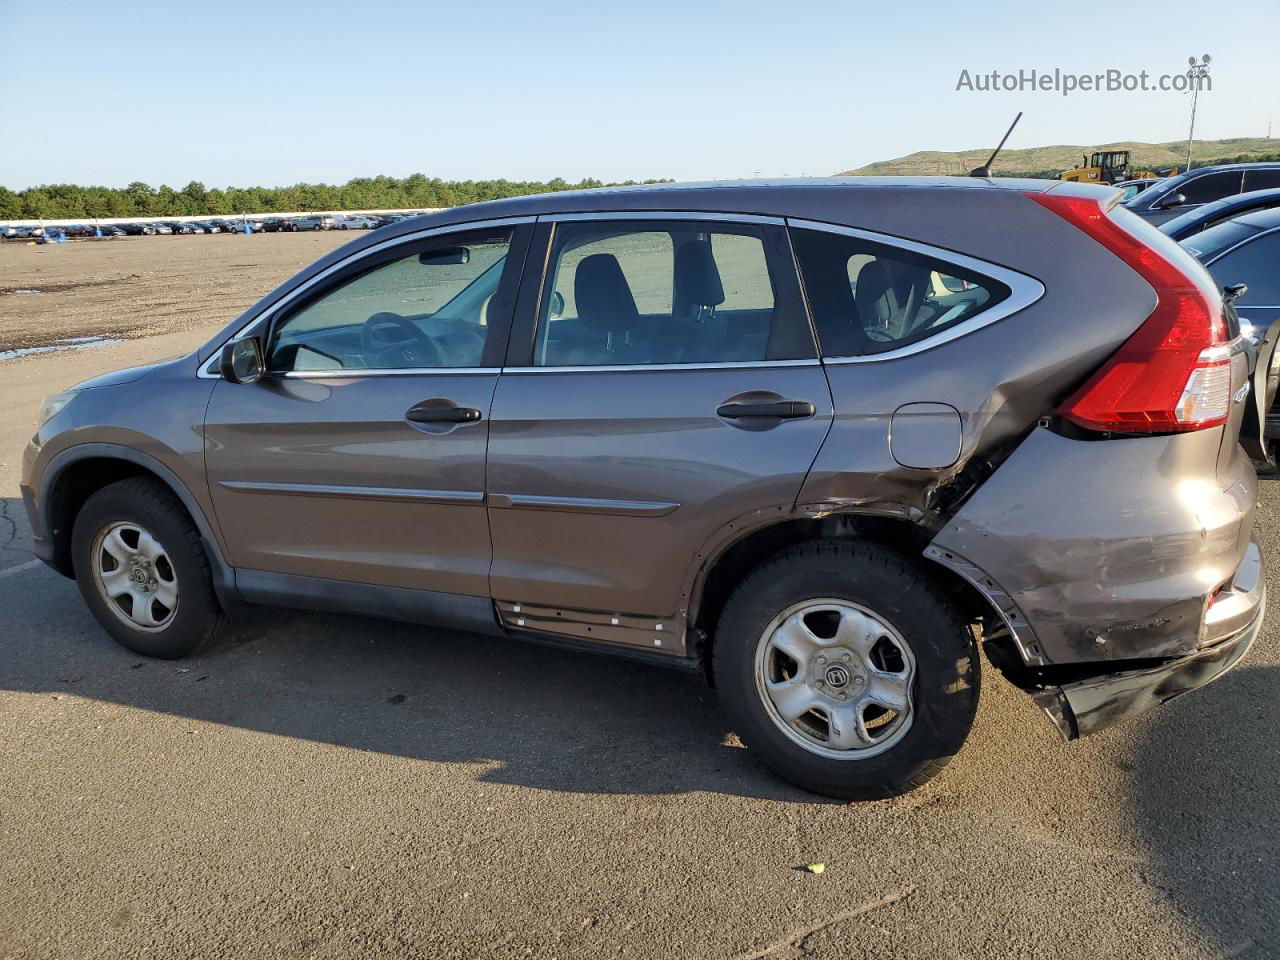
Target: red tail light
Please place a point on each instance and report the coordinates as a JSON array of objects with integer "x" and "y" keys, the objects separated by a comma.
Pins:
[{"x": 1174, "y": 372}]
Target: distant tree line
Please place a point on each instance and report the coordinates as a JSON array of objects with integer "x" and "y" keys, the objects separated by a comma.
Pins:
[{"x": 67, "y": 201}]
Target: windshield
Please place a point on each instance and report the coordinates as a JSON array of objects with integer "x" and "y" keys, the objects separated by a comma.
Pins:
[{"x": 1207, "y": 245}]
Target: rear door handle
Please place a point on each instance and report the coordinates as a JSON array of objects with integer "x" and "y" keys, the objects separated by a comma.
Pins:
[
  {"x": 779, "y": 409},
  {"x": 430, "y": 413}
]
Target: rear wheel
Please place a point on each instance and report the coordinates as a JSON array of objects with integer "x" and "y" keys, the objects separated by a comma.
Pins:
[
  {"x": 142, "y": 570},
  {"x": 846, "y": 671}
]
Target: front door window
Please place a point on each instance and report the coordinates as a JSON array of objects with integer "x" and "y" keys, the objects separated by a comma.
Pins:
[{"x": 425, "y": 310}]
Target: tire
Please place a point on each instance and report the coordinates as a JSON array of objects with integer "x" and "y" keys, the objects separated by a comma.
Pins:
[
  {"x": 859, "y": 590},
  {"x": 173, "y": 560}
]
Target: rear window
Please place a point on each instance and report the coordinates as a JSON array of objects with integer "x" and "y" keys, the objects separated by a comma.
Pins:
[{"x": 869, "y": 298}]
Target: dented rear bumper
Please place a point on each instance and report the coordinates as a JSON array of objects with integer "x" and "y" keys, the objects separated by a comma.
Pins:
[
  {"x": 1096, "y": 551},
  {"x": 1087, "y": 706},
  {"x": 1124, "y": 570}
]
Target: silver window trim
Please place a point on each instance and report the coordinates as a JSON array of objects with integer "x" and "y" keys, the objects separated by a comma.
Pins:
[
  {"x": 1024, "y": 290},
  {"x": 650, "y": 367},
  {"x": 709, "y": 216},
  {"x": 205, "y": 373},
  {"x": 357, "y": 373}
]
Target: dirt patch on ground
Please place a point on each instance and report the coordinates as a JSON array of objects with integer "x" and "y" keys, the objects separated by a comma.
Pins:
[{"x": 130, "y": 287}]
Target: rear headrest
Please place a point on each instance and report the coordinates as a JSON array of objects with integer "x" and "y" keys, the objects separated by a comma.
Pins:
[
  {"x": 697, "y": 278},
  {"x": 603, "y": 295}
]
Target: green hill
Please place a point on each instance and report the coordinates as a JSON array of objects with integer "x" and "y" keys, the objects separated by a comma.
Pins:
[{"x": 1050, "y": 161}]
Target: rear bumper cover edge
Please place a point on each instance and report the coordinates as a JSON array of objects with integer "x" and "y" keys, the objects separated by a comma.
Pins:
[{"x": 1088, "y": 706}]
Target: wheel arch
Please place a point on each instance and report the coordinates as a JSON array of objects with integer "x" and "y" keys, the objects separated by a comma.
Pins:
[
  {"x": 80, "y": 471},
  {"x": 726, "y": 568}
]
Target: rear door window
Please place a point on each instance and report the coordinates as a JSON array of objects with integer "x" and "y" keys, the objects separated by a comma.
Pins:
[
  {"x": 632, "y": 293},
  {"x": 868, "y": 298}
]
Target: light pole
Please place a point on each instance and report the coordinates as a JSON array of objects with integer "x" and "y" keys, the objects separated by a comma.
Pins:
[{"x": 1197, "y": 71}]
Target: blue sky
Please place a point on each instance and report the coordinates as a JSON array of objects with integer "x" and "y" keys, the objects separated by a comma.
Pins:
[{"x": 274, "y": 93}]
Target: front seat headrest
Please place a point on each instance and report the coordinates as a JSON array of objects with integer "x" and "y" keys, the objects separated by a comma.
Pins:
[
  {"x": 603, "y": 296},
  {"x": 697, "y": 278}
]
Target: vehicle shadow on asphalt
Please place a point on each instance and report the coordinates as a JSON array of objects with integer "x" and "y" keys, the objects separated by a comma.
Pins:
[
  {"x": 1206, "y": 787},
  {"x": 530, "y": 715}
]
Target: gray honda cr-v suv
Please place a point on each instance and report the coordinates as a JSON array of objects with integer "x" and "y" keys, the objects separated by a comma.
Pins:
[{"x": 821, "y": 439}]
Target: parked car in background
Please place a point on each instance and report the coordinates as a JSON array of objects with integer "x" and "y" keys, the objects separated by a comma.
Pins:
[
  {"x": 161, "y": 229},
  {"x": 112, "y": 230},
  {"x": 138, "y": 229},
  {"x": 1210, "y": 214},
  {"x": 1131, "y": 188},
  {"x": 181, "y": 227},
  {"x": 627, "y": 427},
  {"x": 1174, "y": 196},
  {"x": 1246, "y": 250},
  {"x": 355, "y": 223},
  {"x": 315, "y": 222}
]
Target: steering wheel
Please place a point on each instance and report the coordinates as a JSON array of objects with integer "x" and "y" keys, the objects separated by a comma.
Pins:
[{"x": 413, "y": 349}]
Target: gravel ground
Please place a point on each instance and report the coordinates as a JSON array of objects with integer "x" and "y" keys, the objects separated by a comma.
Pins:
[
  {"x": 335, "y": 787},
  {"x": 132, "y": 287}
]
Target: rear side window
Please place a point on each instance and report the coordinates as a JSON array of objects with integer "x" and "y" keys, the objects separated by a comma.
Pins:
[
  {"x": 645, "y": 293},
  {"x": 869, "y": 298},
  {"x": 1261, "y": 179}
]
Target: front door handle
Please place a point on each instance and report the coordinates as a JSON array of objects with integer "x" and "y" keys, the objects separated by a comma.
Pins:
[
  {"x": 777, "y": 409},
  {"x": 430, "y": 412}
]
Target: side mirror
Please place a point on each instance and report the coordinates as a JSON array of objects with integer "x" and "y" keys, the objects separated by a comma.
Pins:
[
  {"x": 445, "y": 255},
  {"x": 242, "y": 361},
  {"x": 556, "y": 305},
  {"x": 1172, "y": 200}
]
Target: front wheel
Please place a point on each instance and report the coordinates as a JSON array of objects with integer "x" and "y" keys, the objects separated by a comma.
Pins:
[
  {"x": 142, "y": 569},
  {"x": 846, "y": 671}
]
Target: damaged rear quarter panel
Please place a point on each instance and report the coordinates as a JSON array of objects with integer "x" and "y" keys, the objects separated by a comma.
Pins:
[{"x": 1110, "y": 548}]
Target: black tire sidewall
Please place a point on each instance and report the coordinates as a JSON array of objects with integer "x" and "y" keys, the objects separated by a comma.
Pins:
[
  {"x": 945, "y": 690},
  {"x": 198, "y": 613}
]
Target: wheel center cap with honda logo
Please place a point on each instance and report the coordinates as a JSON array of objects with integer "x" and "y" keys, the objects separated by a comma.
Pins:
[{"x": 837, "y": 676}]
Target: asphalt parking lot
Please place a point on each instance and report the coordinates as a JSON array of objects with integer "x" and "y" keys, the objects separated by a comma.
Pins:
[{"x": 336, "y": 787}]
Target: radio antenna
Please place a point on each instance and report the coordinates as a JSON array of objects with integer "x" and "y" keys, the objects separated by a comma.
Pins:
[{"x": 985, "y": 169}]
